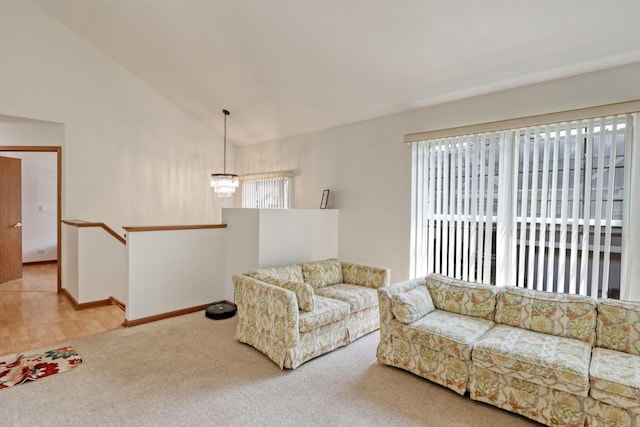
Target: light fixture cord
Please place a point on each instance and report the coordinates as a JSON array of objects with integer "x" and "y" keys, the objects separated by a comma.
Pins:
[{"x": 225, "y": 144}]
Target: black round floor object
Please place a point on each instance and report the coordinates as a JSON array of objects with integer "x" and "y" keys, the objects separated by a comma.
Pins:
[{"x": 221, "y": 310}]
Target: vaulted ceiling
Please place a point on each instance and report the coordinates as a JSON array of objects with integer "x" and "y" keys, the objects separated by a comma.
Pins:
[{"x": 287, "y": 67}]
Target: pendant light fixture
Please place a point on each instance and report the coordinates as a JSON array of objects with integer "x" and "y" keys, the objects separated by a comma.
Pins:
[{"x": 224, "y": 184}]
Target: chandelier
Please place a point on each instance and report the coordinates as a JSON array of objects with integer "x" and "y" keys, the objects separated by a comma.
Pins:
[{"x": 224, "y": 184}]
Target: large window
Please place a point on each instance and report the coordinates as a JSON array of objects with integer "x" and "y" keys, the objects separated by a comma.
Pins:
[
  {"x": 267, "y": 190},
  {"x": 540, "y": 207}
]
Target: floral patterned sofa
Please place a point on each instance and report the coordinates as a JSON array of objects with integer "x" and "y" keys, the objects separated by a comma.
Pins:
[
  {"x": 614, "y": 396},
  {"x": 555, "y": 358},
  {"x": 297, "y": 312}
]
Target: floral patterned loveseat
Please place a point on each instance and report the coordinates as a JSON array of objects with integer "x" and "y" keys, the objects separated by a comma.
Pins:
[
  {"x": 297, "y": 312},
  {"x": 556, "y": 358}
]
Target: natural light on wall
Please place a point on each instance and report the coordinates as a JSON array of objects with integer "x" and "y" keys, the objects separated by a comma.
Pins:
[
  {"x": 541, "y": 207},
  {"x": 267, "y": 190}
]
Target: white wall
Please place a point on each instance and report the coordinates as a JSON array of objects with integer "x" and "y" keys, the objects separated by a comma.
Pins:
[
  {"x": 69, "y": 269},
  {"x": 39, "y": 204},
  {"x": 102, "y": 266},
  {"x": 289, "y": 236},
  {"x": 95, "y": 264},
  {"x": 130, "y": 157},
  {"x": 367, "y": 167},
  {"x": 277, "y": 237},
  {"x": 174, "y": 270}
]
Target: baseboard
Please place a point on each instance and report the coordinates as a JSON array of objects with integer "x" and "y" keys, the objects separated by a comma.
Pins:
[
  {"x": 53, "y": 261},
  {"x": 70, "y": 297},
  {"x": 164, "y": 315},
  {"x": 92, "y": 304},
  {"x": 119, "y": 303}
]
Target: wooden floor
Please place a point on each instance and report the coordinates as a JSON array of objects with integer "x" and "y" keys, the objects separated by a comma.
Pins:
[{"x": 33, "y": 314}]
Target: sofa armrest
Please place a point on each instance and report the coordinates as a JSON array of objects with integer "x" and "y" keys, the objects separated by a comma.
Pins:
[
  {"x": 617, "y": 325},
  {"x": 364, "y": 275},
  {"x": 268, "y": 317}
]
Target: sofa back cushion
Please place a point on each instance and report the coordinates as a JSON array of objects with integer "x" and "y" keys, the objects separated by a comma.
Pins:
[
  {"x": 412, "y": 305},
  {"x": 458, "y": 296},
  {"x": 322, "y": 273},
  {"x": 619, "y": 325},
  {"x": 304, "y": 292},
  {"x": 563, "y": 315},
  {"x": 291, "y": 272}
]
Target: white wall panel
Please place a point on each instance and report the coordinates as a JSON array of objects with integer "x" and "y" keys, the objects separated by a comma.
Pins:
[
  {"x": 174, "y": 270},
  {"x": 277, "y": 237},
  {"x": 69, "y": 253},
  {"x": 102, "y": 266}
]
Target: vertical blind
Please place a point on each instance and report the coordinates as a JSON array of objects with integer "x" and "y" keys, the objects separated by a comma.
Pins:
[
  {"x": 454, "y": 183},
  {"x": 266, "y": 191},
  {"x": 552, "y": 195}
]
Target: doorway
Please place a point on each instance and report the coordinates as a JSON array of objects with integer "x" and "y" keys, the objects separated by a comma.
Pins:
[{"x": 58, "y": 196}]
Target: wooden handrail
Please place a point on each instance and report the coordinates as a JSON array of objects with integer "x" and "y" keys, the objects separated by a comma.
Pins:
[
  {"x": 80, "y": 224},
  {"x": 174, "y": 227}
]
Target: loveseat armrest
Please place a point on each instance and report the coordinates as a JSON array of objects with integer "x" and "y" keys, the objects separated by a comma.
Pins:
[
  {"x": 268, "y": 317},
  {"x": 386, "y": 293},
  {"x": 364, "y": 275}
]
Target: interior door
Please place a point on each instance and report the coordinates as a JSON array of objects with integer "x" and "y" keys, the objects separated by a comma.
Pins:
[{"x": 10, "y": 219}]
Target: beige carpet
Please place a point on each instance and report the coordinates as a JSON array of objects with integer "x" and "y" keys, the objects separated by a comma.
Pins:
[{"x": 189, "y": 371}]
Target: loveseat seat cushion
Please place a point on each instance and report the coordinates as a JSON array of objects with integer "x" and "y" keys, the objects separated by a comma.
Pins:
[
  {"x": 322, "y": 273},
  {"x": 449, "y": 333},
  {"x": 326, "y": 311},
  {"x": 618, "y": 323},
  {"x": 615, "y": 378},
  {"x": 291, "y": 272},
  {"x": 458, "y": 296},
  {"x": 564, "y": 315},
  {"x": 358, "y": 297},
  {"x": 555, "y": 362}
]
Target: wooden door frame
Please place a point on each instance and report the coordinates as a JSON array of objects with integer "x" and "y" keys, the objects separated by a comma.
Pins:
[{"x": 58, "y": 151}]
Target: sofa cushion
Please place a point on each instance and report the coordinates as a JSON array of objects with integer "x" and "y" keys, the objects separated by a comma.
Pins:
[
  {"x": 449, "y": 333},
  {"x": 615, "y": 378},
  {"x": 304, "y": 292},
  {"x": 619, "y": 325},
  {"x": 564, "y": 315},
  {"x": 410, "y": 306},
  {"x": 358, "y": 297},
  {"x": 326, "y": 311},
  {"x": 458, "y": 296},
  {"x": 322, "y": 273},
  {"x": 556, "y": 362},
  {"x": 291, "y": 272}
]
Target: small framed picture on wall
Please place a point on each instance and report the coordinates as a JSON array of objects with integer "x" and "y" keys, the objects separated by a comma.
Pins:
[{"x": 325, "y": 199}]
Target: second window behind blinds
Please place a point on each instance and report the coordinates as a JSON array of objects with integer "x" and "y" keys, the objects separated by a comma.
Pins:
[
  {"x": 547, "y": 198},
  {"x": 267, "y": 191}
]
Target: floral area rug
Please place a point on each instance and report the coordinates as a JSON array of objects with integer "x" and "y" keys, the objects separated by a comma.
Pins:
[{"x": 14, "y": 371}]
